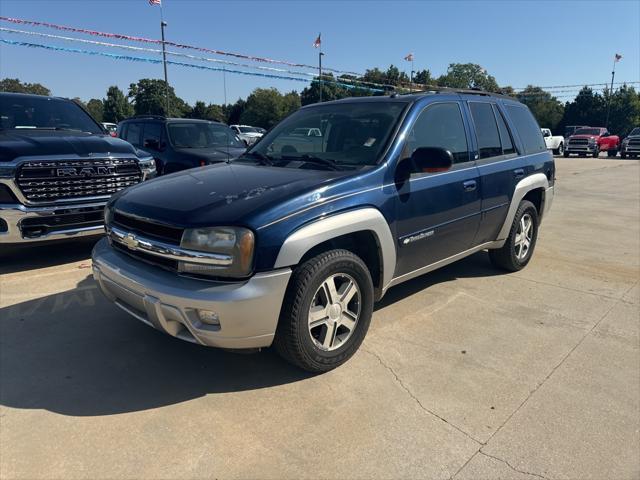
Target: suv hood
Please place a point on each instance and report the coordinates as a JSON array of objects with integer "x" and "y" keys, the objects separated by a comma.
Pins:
[
  {"x": 19, "y": 143},
  {"x": 220, "y": 194}
]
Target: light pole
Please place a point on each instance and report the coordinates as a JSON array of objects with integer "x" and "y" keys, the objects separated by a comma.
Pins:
[
  {"x": 320, "y": 55},
  {"x": 164, "y": 61},
  {"x": 616, "y": 59}
]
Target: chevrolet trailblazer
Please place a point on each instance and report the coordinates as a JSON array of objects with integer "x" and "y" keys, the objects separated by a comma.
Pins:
[{"x": 292, "y": 249}]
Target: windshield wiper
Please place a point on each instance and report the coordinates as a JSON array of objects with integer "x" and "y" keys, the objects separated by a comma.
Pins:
[
  {"x": 325, "y": 162},
  {"x": 264, "y": 159}
]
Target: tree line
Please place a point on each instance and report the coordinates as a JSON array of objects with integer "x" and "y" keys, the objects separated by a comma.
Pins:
[{"x": 265, "y": 107}]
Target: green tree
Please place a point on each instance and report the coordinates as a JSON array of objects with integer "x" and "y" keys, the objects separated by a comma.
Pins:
[
  {"x": 546, "y": 108},
  {"x": 330, "y": 91},
  {"x": 207, "y": 112},
  {"x": 267, "y": 106},
  {"x": 233, "y": 111},
  {"x": 468, "y": 75},
  {"x": 625, "y": 110},
  {"x": 149, "y": 98},
  {"x": 423, "y": 77},
  {"x": 96, "y": 108},
  {"x": 116, "y": 107},
  {"x": 588, "y": 108},
  {"x": 16, "y": 86}
]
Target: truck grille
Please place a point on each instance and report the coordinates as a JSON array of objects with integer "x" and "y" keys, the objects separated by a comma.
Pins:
[
  {"x": 635, "y": 142},
  {"x": 579, "y": 141},
  {"x": 42, "y": 181},
  {"x": 146, "y": 228}
]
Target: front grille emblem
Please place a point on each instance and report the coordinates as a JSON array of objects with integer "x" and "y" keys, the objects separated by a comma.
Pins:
[{"x": 130, "y": 241}]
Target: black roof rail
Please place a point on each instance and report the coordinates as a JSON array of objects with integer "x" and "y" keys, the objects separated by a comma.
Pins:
[
  {"x": 159, "y": 117},
  {"x": 463, "y": 91}
]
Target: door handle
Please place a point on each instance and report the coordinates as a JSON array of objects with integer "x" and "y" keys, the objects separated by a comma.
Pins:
[
  {"x": 469, "y": 186},
  {"x": 518, "y": 173}
]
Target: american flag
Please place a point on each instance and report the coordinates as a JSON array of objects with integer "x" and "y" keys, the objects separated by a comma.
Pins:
[
  {"x": 318, "y": 42},
  {"x": 617, "y": 57},
  {"x": 155, "y": 2},
  {"x": 409, "y": 58}
]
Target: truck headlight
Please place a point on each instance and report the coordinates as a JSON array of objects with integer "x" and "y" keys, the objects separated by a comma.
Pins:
[{"x": 236, "y": 243}]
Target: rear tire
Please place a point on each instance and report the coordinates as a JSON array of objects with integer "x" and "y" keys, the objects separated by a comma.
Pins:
[
  {"x": 521, "y": 242},
  {"x": 326, "y": 311},
  {"x": 559, "y": 150},
  {"x": 612, "y": 153}
]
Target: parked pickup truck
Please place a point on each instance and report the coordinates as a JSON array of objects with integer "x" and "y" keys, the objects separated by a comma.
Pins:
[
  {"x": 591, "y": 141},
  {"x": 293, "y": 250},
  {"x": 554, "y": 143},
  {"x": 630, "y": 146},
  {"x": 58, "y": 167}
]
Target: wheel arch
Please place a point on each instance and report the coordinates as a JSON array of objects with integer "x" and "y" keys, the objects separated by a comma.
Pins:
[
  {"x": 363, "y": 231},
  {"x": 532, "y": 188}
]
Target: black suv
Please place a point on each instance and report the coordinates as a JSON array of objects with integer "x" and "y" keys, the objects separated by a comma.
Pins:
[{"x": 181, "y": 143}]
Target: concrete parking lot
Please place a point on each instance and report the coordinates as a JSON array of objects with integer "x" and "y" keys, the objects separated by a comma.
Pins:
[{"x": 466, "y": 373}]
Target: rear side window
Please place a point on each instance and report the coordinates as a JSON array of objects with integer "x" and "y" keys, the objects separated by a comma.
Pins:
[
  {"x": 133, "y": 133},
  {"x": 527, "y": 129},
  {"x": 152, "y": 131},
  {"x": 486, "y": 130},
  {"x": 440, "y": 125},
  {"x": 505, "y": 136}
]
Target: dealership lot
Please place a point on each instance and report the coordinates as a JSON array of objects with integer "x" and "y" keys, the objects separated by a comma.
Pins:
[{"x": 467, "y": 372}]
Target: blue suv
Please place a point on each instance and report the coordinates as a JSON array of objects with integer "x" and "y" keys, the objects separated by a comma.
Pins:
[{"x": 293, "y": 242}]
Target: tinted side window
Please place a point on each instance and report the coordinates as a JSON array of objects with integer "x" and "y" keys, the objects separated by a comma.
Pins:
[
  {"x": 527, "y": 128},
  {"x": 152, "y": 131},
  {"x": 486, "y": 130},
  {"x": 505, "y": 135},
  {"x": 133, "y": 133},
  {"x": 440, "y": 125}
]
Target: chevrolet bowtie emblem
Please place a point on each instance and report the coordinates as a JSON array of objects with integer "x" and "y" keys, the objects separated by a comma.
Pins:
[{"x": 130, "y": 241}]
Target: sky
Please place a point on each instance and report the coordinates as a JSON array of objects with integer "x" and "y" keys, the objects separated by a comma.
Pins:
[{"x": 545, "y": 43}]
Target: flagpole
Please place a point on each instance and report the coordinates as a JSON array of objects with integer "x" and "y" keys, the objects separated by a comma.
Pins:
[
  {"x": 164, "y": 57},
  {"x": 613, "y": 74},
  {"x": 320, "y": 66}
]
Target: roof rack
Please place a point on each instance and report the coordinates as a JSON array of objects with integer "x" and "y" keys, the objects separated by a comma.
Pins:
[
  {"x": 160, "y": 117},
  {"x": 464, "y": 91}
]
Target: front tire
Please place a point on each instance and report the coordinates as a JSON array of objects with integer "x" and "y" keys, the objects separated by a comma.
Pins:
[
  {"x": 518, "y": 248},
  {"x": 596, "y": 153},
  {"x": 565, "y": 154},
  {"x": 326, "y": 311}
]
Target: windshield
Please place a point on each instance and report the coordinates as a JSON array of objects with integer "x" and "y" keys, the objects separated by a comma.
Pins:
[
  {"x": 635, "y": 131},
  {"x": 248, "y": 130},
  {"x": 587, "y": 131},
  {"x": 46, "y": 113},
  {"x": 343, "y": 135},
  {"x": 202, "y": 135}
]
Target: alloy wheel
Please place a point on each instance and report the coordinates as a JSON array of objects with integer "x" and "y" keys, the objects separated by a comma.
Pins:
[
  {"x": 334, "y": 312},
  {"x": 523, "y": 238}
]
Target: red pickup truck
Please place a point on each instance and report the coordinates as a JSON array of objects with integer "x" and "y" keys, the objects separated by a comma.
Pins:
[{"x": 591, "y": 141}]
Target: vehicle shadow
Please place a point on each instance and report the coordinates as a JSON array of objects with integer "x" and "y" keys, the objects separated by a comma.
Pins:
[
  {"x": 476, "y": 265},
  {"x": 75, "y": 353},
  {"x": 21, "y": 258}
]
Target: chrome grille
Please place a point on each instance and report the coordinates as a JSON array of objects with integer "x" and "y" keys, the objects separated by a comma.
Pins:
[
  {"x": 635, "y": 142},
  {"x": 42, "y": 181}
]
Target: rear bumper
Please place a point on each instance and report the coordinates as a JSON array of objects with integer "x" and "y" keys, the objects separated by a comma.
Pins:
[
  {"x": 247, "y": 311},
  {"x": 22, "y": 224}
]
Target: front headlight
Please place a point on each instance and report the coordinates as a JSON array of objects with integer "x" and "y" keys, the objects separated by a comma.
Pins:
[
  {"x": 236, "y": 244},
  {"x": 592, "y": 140},
  {"x": 625, "y": 142}
]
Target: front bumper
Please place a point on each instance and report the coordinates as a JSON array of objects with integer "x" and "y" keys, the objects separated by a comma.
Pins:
[
  {"x": 590, "y": 148},
  {"x": 20, "y": 223},
  {"x": 247, "y": 311},
  {"x": 630, "y": 149}
]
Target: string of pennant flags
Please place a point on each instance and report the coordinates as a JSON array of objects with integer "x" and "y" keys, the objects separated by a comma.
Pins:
[
  {"x": 278, "y": 73},
  {"x": 171, "y": 62}
]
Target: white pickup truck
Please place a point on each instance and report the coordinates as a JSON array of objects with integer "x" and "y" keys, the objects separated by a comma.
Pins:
[{"x": 553, "y": 142}]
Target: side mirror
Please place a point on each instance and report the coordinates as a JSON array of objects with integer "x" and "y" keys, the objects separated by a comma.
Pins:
[{"x": 432, "y": 159}]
